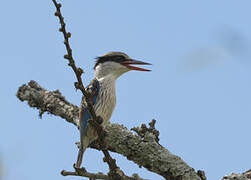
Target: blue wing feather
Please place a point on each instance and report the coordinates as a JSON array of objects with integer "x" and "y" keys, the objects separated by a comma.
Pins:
[
  {"x": 93, "y": 89},
  {"x": 83, "y": 122}
]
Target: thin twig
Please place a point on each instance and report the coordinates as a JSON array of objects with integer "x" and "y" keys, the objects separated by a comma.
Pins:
[
  {"x": 78, "y": 71},
  {"x": 79, "y": 85},
  {"x": 82, "y": 172}
]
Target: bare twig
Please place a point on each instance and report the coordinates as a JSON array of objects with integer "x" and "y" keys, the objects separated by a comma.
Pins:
[
  {"x": 79, "y": 85},
  {"x": 82, "y": 172},
  {"x": 78, "y": 71},
  {"x": 145, "y": 132}
]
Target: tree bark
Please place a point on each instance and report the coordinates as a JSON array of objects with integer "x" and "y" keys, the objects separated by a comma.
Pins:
[
  {"x": 242, "y": 176},
  {"x": 143, "y": 150}
]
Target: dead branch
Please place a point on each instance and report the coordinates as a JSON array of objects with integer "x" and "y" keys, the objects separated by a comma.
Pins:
[
  {"x": 242, "y": 176},
  {"x": 82, "y": 172},
  {"x": 143, "y": 150}
]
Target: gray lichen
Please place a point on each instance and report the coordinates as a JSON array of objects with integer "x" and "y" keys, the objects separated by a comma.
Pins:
[{"x": 143, "y": 148}]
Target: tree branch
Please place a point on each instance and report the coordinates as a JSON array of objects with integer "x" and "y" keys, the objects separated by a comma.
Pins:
[
  {"x": 242, "y": 176},
  {"x": 143, "y": 150},
  {"x": 115, "y": 172},
  {"x": 82, "y": 172}
]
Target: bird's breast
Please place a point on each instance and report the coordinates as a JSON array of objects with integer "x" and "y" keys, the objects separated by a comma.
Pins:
[{"x": 105, "y": 103}]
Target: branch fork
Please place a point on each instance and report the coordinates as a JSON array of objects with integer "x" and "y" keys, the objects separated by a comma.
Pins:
[{"x": 79, "y": 85}]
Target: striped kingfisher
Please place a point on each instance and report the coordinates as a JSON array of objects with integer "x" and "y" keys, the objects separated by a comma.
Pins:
[{"x": 107, "y": 69}]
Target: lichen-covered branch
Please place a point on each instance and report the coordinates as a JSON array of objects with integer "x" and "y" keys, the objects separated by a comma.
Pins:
[
  {"x": 242, "y": 176},
  {"x": 143, "y": 150},
  {"x": 48, "y": 101}
]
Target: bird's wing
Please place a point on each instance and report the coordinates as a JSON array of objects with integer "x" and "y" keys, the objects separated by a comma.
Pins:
[{"x": 92, "y": 89}]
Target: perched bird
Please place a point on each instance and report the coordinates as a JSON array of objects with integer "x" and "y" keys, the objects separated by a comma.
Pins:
[{"x": 102, "y": 90}]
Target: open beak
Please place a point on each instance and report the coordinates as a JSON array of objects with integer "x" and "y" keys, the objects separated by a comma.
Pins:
[{"x": 128, "y": 64}]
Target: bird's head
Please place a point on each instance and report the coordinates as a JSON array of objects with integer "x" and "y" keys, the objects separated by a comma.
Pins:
[{"x": 115, "y": 64}]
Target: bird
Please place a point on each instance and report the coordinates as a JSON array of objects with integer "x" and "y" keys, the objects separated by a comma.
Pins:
[{"x": 101, "y": 89}]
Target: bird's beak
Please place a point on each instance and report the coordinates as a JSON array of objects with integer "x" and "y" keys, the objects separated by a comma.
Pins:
[{"x": 132, "y": 61}]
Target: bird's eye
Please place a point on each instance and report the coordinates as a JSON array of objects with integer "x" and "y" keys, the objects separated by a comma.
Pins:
[{"x": 119, "y": 58}]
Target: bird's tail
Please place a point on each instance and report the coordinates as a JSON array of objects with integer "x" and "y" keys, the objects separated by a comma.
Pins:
[{"x": 84, "y": 142}]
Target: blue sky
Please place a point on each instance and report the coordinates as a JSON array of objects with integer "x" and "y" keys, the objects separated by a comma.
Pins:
[{"x": 199, "y": 90}]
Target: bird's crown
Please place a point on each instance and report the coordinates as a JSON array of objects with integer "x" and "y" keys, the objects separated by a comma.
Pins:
[{"x": 111, "y": 56}]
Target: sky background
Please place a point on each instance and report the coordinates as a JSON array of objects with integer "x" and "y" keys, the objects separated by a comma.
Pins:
[{"x": 199, "y": 90}]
